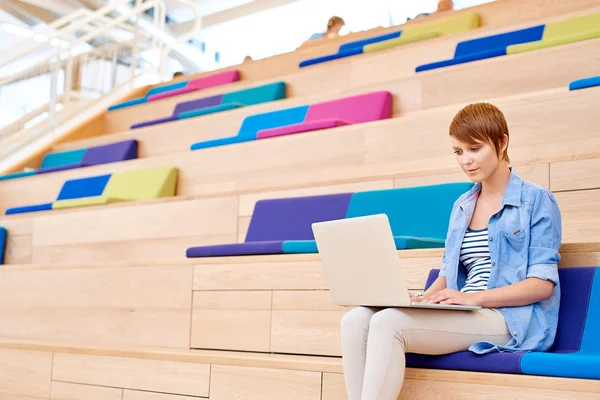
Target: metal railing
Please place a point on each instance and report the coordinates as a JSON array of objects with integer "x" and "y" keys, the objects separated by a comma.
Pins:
[{"x": 85, "y": 56}]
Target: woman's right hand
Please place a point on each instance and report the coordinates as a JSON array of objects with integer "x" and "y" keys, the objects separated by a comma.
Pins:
[{"x": 415, "y": 298}]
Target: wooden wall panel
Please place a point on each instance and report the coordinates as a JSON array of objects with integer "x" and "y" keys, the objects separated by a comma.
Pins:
[
  {"x": 151, "y": 375},
  {"x": 106, "y": 306}
]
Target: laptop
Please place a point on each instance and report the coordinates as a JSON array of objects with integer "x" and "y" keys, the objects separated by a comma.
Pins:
[{"x": 362, "y": 266}]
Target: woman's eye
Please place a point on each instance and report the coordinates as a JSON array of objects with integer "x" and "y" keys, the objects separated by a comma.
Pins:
[
  {"x": 457, "y": 152},
  {"x": 474, "y": 148}
]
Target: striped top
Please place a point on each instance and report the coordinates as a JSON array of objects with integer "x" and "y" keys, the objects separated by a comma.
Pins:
[{"x": 475, "y": 257}]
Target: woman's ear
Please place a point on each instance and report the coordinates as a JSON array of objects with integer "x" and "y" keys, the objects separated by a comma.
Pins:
[{"x": 504, "y": 143}]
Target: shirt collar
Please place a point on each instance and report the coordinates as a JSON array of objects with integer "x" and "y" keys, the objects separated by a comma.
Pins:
[{"x": 512, "y": 193}]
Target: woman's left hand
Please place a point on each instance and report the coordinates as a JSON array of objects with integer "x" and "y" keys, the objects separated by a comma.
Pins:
[{"x": 449, "y": 296}]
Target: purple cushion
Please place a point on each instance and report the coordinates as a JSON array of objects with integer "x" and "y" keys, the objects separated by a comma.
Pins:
[
  {"x": 507, "y": 363},
  {"x": 197, "y": 104},
  {"x": 237, "y": 249},
  {"x": 153, "y": 122},
  {"x": 576, "y": 285},
  {"x": 109, "y": 153},
  {"x": 59, "y": 168},
  {"x": 291, "y": 219},
  {"x": 183, "y": 107}
]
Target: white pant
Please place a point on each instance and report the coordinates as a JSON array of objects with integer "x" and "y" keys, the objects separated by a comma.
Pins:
[{"x": 374, "y": 343}]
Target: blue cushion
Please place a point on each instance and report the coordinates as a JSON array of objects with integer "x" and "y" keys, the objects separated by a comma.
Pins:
[
  {"x": 584, "y": 363},
  {"x": 464, "y": 59},
  {"x": 300, "y": 247},
  {"x": 26, "y": 209},
  {"x": 419, "y": 212},
  {"x": 275, "y": 119},
  {"x": 585, "y": 83},
  {"x": 2, "y": 244},
  {"x": 361, "y": 43},
  {"x": 16, "y": 175},
  {"x": 223, "y": 141},
  {"x": 209, "y": 110},
  {"x": 62, "y": 158},
  {"x": 83, "y": 187},
  {"x": 330, "y": 57},
  {"x": 501, "y": 40},
  {"x": 128, "y": 103}
]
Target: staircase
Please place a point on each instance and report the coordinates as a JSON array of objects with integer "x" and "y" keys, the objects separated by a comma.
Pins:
[{"x": 84, "y": 61}]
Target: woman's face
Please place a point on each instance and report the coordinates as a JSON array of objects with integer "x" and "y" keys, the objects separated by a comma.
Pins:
[{"x": 478, "y": 161}]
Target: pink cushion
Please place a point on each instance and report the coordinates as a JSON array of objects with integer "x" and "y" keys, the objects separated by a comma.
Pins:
[
  {"x": 219, "y": 79},
  {"x": 354, "y": 109},
  {"x": 302, "y": 127}
]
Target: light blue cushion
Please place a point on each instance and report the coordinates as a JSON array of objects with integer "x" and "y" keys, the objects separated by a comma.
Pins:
[
  {"x": 300, "y": 247},
  {"x": 582, "y": 364},
  {"x": 419, "y": 212},
  {"x": 59, "y": 159},
  {"x": 274, "y": 119},
  {"x": 362, "y": 43},
  {"x": 223, "y": 141},
  {"x": 16, "y": 175},
  {"x": 209, "y": 110},
  {"x": 585, "y": 83},
  {"x": 2, "y": 244},
  {"x": 256, "y": 95}
]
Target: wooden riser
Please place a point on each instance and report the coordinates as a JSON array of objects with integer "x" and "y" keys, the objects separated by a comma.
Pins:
[{"x": 49, "y": 372}]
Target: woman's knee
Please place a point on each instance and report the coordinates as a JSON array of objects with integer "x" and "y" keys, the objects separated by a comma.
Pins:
[
  {"x": 393, "y": 319},
  {"x": 357, "y": 318}
]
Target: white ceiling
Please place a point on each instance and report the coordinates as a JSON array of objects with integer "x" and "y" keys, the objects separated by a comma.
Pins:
[{"x": 181, "y": 13}]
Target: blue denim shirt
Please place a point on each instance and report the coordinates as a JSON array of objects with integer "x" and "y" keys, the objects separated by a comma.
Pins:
[{"x": 524, "y": 239}]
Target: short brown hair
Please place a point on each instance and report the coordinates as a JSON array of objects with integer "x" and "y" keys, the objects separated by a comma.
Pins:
[{"x": 481, "y": 122}]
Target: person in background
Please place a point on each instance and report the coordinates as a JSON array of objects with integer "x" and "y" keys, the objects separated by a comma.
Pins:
[
  {"x": 248, "y": 59},
  {"x": 334, "y": 25},
  {"x": 443, "y": 5},
  {"x": 178, "y": 74}
]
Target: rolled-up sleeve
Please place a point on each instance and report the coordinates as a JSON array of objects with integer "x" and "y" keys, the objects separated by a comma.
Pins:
[
  {"x": 545, "y": 238},
  {"x": 448, "y": 245}
]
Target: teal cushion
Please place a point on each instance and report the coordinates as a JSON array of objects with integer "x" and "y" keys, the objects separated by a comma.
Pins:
[
  {"x": 257, "y": 95},
  {"x": 209, "y": 110},
  {"x": 59, "y": 159},
  {"x": 421, "y": 212},
  {"x": 402, "y": 243},
  {"x": 16, "y": 175}
]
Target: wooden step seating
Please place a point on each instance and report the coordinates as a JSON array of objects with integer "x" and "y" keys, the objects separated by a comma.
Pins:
[
  {"x": 430, "y": 90},
  {"x": 344, "y": 74},
  {"x": 162, "y": 230},
  {"x": 70, "y": 372},
  {"x": 411, "y": 146},
  {"x": 104, "y": 316}
]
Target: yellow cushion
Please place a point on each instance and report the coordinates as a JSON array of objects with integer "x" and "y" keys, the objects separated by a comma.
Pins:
[
  {"x": 541, "y": 44},
  {"x": 83, "y": 202},
  {"x": 142, "y": 184},
  {"x": 399, "y": 41},
  {"x": 571, "y": 26},
  {"x": 461, "y": 22}
]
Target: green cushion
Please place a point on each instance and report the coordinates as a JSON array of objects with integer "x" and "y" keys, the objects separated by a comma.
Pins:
[
  {"x": 142, "y": 184},
  {"x": 542, "y": 44},
  {"x": 387, "y": 44},
  {"x": 459, "y": 22},
  {"x": 83, "y": 202},
  {"x": 571, "y": 26}
]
